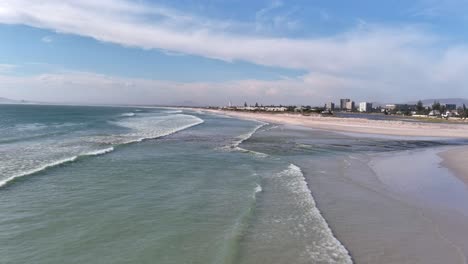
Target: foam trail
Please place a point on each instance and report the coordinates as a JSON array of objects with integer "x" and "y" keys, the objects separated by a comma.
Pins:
[
  {"x": 173, "y": 112},
  {"x": 247, "y": 136},
  {"x": 99, "y": 152},
  {"x": 244, "y": 137},
  {"x": 128, "y": 114},
  {"x": 289, "y": 218},
  {"x": 144, "y": 136},
  {"x": 331, "y": 246},
  {"x": 50, "y": 165},
  {"x": 198, "y": 121}
]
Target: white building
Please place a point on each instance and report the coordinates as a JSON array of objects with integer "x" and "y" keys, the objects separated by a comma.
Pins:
[
  {"x": 276, "y": 109},
  {"x": 330, "y": 106},
  {"x": 349, "y": 106},
  {"x": 365, "y": 107}
]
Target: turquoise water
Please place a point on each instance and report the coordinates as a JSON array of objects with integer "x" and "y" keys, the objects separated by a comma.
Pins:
[{"x": 147, "y": 185}]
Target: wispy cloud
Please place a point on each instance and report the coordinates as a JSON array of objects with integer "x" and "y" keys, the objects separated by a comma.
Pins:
[
  {"x": 6, "y": 68},
  {"x": 369, "y": 59},
  {"x": 435, "y": 9},
  {"x": 274, "y": 18},
  {"x": 106, "y": 23},
  {"x": 47, "y": 39}
]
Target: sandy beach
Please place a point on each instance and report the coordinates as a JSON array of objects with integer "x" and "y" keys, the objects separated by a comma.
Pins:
[
  {"x": 359, "y": 125},
  {"x": 457, "y": 161}
]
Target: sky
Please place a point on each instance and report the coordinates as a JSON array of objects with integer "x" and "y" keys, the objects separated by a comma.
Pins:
[{"x": 211, "y": 52}]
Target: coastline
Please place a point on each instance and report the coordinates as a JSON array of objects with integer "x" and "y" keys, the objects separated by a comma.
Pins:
[
  {"x": 358, "y": 125},
  {"x": 455, "y": 159},
  {"x": 384, "y": 208}
]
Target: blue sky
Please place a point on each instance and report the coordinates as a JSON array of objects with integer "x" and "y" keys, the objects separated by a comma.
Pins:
[{"x": 209, "y": 52}]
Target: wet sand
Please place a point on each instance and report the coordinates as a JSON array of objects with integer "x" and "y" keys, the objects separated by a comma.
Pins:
[{"x": 457, "y": 161}]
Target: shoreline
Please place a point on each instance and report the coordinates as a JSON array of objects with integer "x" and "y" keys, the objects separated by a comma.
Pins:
[
  {"x": 358, "y": 125},
  {"x": 392, "y": 214},
  {"x": 456, "y": 160}
]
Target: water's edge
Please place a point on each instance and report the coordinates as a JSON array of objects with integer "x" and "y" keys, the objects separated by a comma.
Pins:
[{"x": 296, "y": 168}]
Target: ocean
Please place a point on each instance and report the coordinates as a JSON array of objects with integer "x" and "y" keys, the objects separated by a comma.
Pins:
[{"x": 88, "y": 184}]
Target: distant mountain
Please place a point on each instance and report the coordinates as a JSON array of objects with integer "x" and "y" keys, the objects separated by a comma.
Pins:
[
  {"x": 4, "y": 100},
  {"x": 186, "y": 103},
  {"x": 457, "y": 101},
  {"x": 8, "y": 101},
  {"x": 377, "y": 104}
]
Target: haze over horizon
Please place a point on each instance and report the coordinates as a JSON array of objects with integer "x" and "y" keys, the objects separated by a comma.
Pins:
[{"x": 210, "y": 52}]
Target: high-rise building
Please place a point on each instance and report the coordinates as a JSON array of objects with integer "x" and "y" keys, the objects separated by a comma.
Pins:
[
  {"x": 349, "y": 106},
  {"x": 365, "y": 107},
  {"x": 343, "y": 103}
]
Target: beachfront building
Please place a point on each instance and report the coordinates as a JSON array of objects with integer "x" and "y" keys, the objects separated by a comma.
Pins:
[
  {"x": 330, "y": 106},
  {"x": 365, "y": 107},
  {"x": 343, "y": 103},
  {"x": 391, "y": 107},
  {"x": 276, "y": 109},
  {"x": 349, "y": 106}
]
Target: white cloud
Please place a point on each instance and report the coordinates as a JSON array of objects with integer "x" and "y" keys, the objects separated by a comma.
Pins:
[
  {"x": 85, "y": 87},
  {"x": 273, "y": 18},
  {"x": 47, "y": 39},
  {"x": 369, "y": 60}
]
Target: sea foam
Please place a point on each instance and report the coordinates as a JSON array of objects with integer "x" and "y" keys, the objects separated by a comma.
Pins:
[
  {"x": 329, "y": 249},
  {"x": 235, "y": 145},
  {"x": 156, "y": 127},
  {"x": 54, "y": 164},
  {"x": 141, "y": 129}
]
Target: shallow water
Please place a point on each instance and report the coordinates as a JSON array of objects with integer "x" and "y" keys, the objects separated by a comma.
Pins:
[
  {"x": 144, "y": 185},
  {"x": 194, "y": 196},
  {"x": 386, "y": 198}
]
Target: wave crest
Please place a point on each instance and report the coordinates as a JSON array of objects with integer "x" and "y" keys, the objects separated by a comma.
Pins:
[
  {"x": 54, "y": 164},
  {"x": 141, "y": 129}
]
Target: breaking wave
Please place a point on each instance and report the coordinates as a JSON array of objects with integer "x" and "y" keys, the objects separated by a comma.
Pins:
[
  {"x": 144, "y": 128},
  {"x": 54, "y": 164}
]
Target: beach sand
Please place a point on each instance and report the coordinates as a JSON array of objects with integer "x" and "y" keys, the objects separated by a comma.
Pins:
[
  {"x": 456, "y": 160},
  {"x": 359, "y": 125}
]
